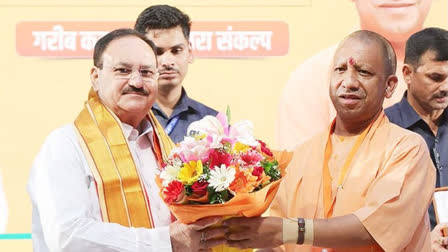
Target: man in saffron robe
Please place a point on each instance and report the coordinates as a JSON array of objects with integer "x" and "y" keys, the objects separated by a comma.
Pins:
[
  {"x": 92, "y": 185},
  {"x": 305, "y": 108},
  {"x": 362, "y": 185}
]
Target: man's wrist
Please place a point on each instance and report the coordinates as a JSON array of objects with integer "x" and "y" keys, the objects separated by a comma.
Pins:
[
  {"x": 291, "y": 231},
  {"x": 309, "y": 232}
]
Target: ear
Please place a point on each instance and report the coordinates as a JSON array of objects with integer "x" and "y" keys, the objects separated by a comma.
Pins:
[
  {"x": 391, "y": 84},
  {"x": 407, "y": 71},
  {"x": 190, "y": 53},
  {"x": 94, "y": 75}
]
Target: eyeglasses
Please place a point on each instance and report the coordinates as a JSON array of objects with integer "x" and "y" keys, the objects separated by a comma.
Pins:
[{"x": 127, "y": 73}]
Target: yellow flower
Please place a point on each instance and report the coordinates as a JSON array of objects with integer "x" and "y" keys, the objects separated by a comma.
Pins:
[
  {"x": 200, "y": 137},
  {"x": 239, "y": 147},
  {"x": 190, "y": 172}
]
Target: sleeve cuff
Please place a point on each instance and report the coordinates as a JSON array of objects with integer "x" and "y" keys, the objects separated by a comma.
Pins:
[{"x": 156, "y": 239}]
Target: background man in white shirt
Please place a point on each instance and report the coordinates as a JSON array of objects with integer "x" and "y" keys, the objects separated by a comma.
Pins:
[{"x": 63, "y": 185}]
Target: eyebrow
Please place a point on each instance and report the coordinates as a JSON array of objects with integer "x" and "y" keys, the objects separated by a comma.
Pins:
[
  {"x": 124, "y": 64},
  {"x": 177, "y": 45}
]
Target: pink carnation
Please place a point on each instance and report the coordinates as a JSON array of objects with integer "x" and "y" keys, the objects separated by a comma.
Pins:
[{"x": 251, "y": 157}]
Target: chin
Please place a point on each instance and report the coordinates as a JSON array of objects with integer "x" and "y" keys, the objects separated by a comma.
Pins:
[
  {"x": 165, "y": 83},
  {"x": 439, "y": 106},
  {"x": 398, "y": 30},
  {"x": 136, "y": 107}
]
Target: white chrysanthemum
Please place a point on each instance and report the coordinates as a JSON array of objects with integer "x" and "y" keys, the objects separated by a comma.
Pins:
[
  {"x": 169, "y": 174},
  {"x": 221, "y": 177}
]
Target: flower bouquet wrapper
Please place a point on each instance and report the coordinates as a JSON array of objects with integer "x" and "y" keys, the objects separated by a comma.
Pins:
[{"x": 241, "y": 205}]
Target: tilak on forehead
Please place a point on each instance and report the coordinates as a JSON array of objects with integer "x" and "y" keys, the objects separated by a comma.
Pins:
[{"x": 351, "y": 61}]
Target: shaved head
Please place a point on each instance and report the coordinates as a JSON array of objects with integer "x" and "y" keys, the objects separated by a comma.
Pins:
[
  {"x": 368, "y": 37},
  {"x": 363, "y": 75}
]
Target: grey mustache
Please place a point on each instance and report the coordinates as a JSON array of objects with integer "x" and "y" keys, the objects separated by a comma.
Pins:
[{"x": 131, "y": 89}]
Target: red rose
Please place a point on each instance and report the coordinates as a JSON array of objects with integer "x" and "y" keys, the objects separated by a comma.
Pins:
[
  {"x": 199, "y": 188},
  {"x": 174, "y": 192},
  {"x": 217, "y": 158},
  {"x": 258, "y": 171}
]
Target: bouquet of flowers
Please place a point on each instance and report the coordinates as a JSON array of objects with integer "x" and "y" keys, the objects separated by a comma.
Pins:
[{"x": 220, "y": 170}]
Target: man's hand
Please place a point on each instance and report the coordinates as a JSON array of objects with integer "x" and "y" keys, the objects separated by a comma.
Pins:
[
  {"x": 198, "y": 236},
  {"x": 258, "y": 232},
  {"x": 438, "y": 242}
]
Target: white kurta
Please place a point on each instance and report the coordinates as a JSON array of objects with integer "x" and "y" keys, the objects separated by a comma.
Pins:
[{"x": 66, "y": 211}]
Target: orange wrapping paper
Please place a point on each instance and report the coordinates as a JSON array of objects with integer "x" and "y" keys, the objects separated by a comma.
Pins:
[{"x": 243, "y": 204}]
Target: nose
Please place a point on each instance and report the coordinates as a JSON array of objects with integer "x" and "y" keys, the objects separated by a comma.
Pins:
[
  {"x": 135, "y": 79},
  {"x": 166, "y": 59},
  {"x": 444, "y": 86},
  {"x": 350, "y": 80}
]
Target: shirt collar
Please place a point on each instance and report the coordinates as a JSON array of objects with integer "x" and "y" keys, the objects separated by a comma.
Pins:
[
  {"x": 184, "y": 104},
  {"x": 408, "y": 115},
  {"x": 132, "y": 134}
]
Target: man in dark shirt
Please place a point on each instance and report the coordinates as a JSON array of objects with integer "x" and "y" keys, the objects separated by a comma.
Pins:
[
  {"x": 169, "y": 29},
  {"x": 423, "y": 108}
]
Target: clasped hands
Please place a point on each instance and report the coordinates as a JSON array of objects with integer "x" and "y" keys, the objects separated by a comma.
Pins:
[{"x": 257, "y": 232}]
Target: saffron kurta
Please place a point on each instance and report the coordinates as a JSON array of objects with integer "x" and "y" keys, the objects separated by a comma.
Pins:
[{"x": 388, "y": 186}]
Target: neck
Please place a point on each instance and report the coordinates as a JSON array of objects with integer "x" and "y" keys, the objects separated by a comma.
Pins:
[
  {"x": 430, "y": 116},
  {"x": 134, "y": 121},
  {"x": 348, "y": 127},
  {"x": 168, "y": 98}
]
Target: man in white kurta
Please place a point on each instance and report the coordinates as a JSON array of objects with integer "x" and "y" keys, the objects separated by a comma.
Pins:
[
  {"x": 86, "y": 195},
  {"x": 71, "y": 218}
]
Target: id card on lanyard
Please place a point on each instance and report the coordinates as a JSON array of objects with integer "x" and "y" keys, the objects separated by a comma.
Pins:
[{"x": 170, "y": 126}]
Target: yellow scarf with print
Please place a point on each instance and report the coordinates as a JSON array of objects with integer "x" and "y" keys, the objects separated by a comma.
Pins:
[{"x": 121, "y": 193}]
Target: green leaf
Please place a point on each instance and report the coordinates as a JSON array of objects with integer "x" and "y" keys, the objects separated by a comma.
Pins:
[
  {"x": 188, "y": 190},
  {"x": 271, "y": 169},
  {"x": 206, "y": 172},
  {"x": 228, "y": 114},
  {"x": 218, "y": 197}
]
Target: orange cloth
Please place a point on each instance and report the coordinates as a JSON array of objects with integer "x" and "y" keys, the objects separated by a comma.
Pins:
[
  {"x": 243, "y": 204},
  {"x": 388, "y": 186},
  {"x": 122, "y": 197},
  {"x": 305, "y": 108}
]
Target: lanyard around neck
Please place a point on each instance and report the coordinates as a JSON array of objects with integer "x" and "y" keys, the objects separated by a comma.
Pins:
[
  {"x": 327, "y": 190},
  {"x": 170, "y": 126}
]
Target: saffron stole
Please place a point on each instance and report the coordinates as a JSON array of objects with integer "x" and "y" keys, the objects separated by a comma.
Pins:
[{"x": 121, "y": 193}]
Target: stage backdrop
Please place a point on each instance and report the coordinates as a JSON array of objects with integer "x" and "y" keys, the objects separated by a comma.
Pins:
[{"x": 245, "y": 51}]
